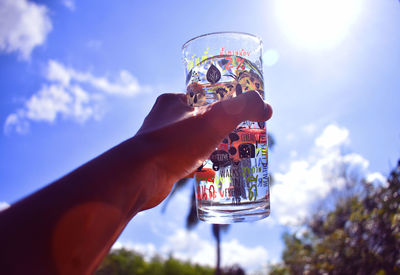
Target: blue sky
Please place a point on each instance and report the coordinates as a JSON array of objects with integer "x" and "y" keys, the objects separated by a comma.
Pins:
[{"x": 77, "y": 78}]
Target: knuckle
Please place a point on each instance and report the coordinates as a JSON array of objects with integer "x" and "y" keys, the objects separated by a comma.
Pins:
[
  {"x": 171, "y": 98},
  {"x": 164, "y": 97}
]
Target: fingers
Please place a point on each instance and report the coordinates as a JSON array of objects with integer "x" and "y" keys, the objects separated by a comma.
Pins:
[
  {"x": 167, "y": 109},
  {"x": 269, "y": 111},
  {"x": 223, "y": 116},
  {"x": 247, "y": 106},
  {"x": 170, "y": 99}
]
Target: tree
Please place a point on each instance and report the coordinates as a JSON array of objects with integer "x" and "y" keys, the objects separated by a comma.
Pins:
[
  {"x": 121, "y": 262},
  {"x": 127, "y": 262},
  {"x": 360, "y": 236}
]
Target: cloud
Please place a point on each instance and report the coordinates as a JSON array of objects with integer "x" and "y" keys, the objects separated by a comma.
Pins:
[
  {"x": 124, "y": 84},
  {"x": 49, "y": 101},
  {"x": 23, "y": 26},
  {"x": 311, "y": 179},
  {"x": 377, "y": 179},
  {"x": 16, "y": 122},
  {"x": 57, "y": 72},
  {"x": 69, "y": 4},
  {"x": 3, "y": 205},
  {"x": 70, "y": 94},
  {"x": 247, "y": 257},
  {"x": 309, "y": 129},
  {"x": 189, "y": 246},
  {"x": 332, "y": 137},
  {"x": 53, "y": 101},
  {"x": 148, "y": 250}
]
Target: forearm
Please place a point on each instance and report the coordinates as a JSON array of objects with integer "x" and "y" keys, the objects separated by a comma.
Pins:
[
  {"x": 68, "y": 227},
  {"x": 75, "y": 220}
]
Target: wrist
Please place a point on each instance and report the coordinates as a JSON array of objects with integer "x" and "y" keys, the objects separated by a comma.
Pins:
[{"x": 148, "y": 182}]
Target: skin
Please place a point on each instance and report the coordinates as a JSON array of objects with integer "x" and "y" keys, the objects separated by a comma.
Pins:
[{"x": 69, "y": 226}]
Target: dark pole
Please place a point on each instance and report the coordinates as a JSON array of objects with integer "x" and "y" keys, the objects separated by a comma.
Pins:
[{"x": 217, "y": 234}]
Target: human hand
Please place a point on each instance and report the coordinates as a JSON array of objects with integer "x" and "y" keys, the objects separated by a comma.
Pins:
[
  {"x": 87, "y": 209},
  {"x": 184, "y": 137}
]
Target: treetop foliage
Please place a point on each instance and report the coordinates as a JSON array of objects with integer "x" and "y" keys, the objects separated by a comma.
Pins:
[{"x": 360, "y": 236}]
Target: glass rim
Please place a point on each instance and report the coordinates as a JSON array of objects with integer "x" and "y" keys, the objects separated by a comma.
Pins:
[{"x": 216, "y": 33}]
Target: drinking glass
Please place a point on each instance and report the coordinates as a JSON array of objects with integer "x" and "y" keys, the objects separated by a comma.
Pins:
[{"x": 233, "y": 184}]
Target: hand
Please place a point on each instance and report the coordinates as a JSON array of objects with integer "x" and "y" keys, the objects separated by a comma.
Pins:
[
  {"x": 76, "y": 219},
  {"x": 184, "y": 137}
]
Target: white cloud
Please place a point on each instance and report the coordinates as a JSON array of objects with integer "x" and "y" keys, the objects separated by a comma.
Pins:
[
  {"x": 247, "y": 257},
  {"x": 377, "y": 179},
  {"x": 23, "y": 26},
  {"x": 124, "y": 84},
  {"x": 332, "y": 136},
  {"x": 47, "y": 103},
  {"x": 146, "y": 250},
  {"x": 53, "y": 101},
  {"x": 189, "y": 246},
  {"x": 57, "y": 72},
  {"x": 309, "y": 129},
  {"x": 311, "y": 179},
  {"x": 117, "y": 245},
  {"x": 3, "y": 205},
  {"x": 69, "y": 4},
  {"x": 64, "y": 96},
  {"x": 16, "y": 122}
]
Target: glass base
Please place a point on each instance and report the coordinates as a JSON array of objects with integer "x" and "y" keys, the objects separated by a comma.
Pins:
[{"x": 231, "y": 213}]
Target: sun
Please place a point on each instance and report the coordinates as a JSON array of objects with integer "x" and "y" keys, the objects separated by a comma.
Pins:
[{"x": 317, "y": 24}]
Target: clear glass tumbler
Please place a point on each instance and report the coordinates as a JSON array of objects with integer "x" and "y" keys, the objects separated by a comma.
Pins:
[{"x": 233, "y": 184}]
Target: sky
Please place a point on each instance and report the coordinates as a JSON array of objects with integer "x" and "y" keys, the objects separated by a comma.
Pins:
[{"x": 77, "y": 78}]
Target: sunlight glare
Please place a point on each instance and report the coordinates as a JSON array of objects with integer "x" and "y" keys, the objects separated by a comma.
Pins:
[
  {"x": 270, "y": 57},
  {"x": 317, "y": 24}
]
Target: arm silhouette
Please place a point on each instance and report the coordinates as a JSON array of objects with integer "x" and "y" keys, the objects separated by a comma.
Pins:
[{"x": 69, "y": 226}]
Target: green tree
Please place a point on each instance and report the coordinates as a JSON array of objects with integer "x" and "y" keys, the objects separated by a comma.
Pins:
[
  {"x": 127, "y": 262},
  {"x": 360, "y": 236},
  {"x": 122, "y": 262}
]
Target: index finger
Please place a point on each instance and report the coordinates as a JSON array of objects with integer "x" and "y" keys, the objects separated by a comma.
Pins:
[{"x": 227, "y": 114}]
